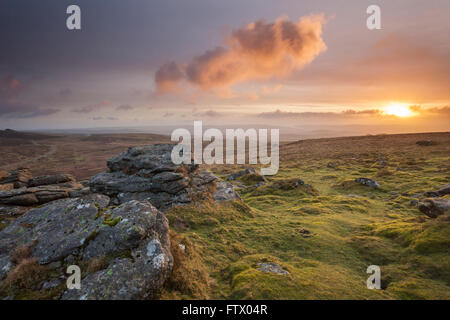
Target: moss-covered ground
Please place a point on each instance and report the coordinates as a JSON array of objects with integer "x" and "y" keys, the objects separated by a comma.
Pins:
[{"x": 349, "y": 226}]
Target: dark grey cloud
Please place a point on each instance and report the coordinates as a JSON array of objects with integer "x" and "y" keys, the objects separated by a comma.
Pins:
[
  {"x": 105, "y": 118},
  {"x": 39, "y": 112},
  {"x": 91, "y": 107},
  {"x": 85, "y": 109},
  {"x": 127, "y": 35},
  {"x": 124, "y": 107},
  {"x": 13, "y": 109}
]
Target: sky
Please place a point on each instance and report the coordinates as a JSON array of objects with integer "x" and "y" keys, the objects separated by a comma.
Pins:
[{"x": 307, "y": 66}]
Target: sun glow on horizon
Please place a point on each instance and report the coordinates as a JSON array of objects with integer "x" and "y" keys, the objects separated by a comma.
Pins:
[{"x": 401, "y": 110}]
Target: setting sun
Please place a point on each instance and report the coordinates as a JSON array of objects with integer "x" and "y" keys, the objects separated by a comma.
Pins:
[{"x": 399, "y": 109}]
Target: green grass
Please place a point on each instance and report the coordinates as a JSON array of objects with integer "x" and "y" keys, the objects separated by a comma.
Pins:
[{"x": 351, "y": 227}]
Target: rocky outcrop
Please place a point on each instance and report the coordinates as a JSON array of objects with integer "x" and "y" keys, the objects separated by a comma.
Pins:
[
  {"x": 132, "y": 238},
  {"x": 115, "y": 220},
  {"x": 144, "y": 160},
  {"x": 434, "y": 208},
  {"x": 29, "y": 191},
  {"x": 36, "y": 195},
  {"x": 61, "y": 228},
  {"x": 18, "y": 178},
  {"x": 112, "y": 183},
  {"x": 51, "y": 179},
  {"x": 148, "y": 173}
]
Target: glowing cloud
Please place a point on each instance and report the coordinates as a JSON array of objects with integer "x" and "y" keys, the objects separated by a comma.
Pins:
[{"x": 261, "y": 50}]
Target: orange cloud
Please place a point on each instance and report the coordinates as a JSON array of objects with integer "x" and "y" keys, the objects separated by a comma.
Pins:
[
  {"x": 261, "y": 50},
  {"x": 167, "y": 77}
]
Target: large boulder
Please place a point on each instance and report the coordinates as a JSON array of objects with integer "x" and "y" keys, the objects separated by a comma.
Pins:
[
  {"x": 60, "y": 227},
  {"x": 159, "y": 199},
  {"x": 145, "y": 160},
  {"x": 116, "y": 182},
  {"x": 132, "y": 238},
  {"x": 141, "y": 231},
  {"x": 148, "y": 173}
]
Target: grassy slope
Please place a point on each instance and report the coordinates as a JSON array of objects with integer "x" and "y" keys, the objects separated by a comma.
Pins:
[{"x": 349, "y": 233}]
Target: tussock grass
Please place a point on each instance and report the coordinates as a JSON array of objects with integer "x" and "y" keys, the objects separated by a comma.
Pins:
[{"x": 190, "y": 277}]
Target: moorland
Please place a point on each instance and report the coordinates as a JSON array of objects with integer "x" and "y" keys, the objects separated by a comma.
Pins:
[{"x": 312, "y": 222}]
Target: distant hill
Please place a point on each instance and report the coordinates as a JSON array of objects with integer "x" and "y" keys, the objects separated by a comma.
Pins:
[{"x": 13, "y": 134}]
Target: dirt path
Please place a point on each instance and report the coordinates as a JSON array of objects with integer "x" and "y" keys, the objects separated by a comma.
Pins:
[{"x": 21, "y": 163}]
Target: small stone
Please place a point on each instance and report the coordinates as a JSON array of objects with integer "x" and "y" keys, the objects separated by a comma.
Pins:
[
  {"x": 332, "y": 165},
  {"x": 434, "y": 207},
  {"x": 368, "y": 182},
  {"x": 270, "y": 267},
  {"x": 426, "y": 143},
  {"x": 225, "y": 192},
  {"x": 304, "y": 232}
]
